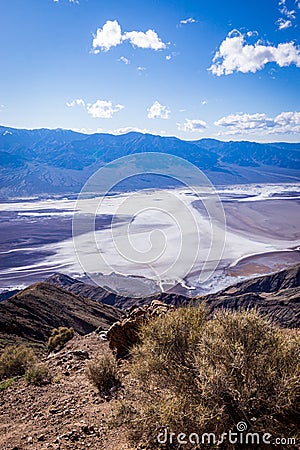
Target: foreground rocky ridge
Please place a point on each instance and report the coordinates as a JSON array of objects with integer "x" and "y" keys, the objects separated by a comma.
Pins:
[
  {"x": 69, "y": 413},
  {"x": 30, "y": 314}
]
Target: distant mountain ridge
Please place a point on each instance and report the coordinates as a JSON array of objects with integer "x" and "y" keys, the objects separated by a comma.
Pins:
[
  {"x": 60, "y": 161},
  {"x": 30, "y": 314},
  {"x": 276, "y": 295}
]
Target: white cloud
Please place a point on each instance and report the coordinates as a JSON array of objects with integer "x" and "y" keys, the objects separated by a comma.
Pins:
[
  {"x": 149, "y": 39},
  {"x": 252, "y": 33},
  {"x": 234, "y": 55},
  {"x": 124, "y": 60},
  {"x": 158, "y": 111},
  {"x": 287, "y": 15},
  {"x": 124, "y": 130},
  {"x": 70, "y": 1},
  {"x": 282, "y": 23},
  {"x": 103, "y": 109},
  {"x": 78, "y": 102},
  {"x": 171, "y": 56},
  {"x": 283, "y": 123},
  {"x": 192, "y": 126},
  {"x": 110, "y": 35},
  {"x": 290, "y": 14},
  {"x": 189, "y": 20},
  {"x": 204, "y": 102}
]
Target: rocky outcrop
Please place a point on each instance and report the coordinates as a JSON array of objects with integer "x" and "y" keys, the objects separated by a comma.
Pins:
[{"x": 123, "y": 334}]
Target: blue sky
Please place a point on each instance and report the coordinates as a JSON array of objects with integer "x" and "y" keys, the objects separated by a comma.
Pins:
[{"x": 192, "y": 69}]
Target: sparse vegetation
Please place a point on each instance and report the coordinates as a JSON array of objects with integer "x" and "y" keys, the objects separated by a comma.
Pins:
[
  {"x": 59, "y": 337},
  {"x": 15, "y": 360},
  {"x": 103, "y": 374},
  {"x": 197, "y": 375},
  {"x": 7, "y": 383},
  {"x": 38, "y": 374}
]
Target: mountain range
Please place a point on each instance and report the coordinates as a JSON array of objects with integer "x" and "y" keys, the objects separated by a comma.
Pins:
[{"x": 43, "y": 161}]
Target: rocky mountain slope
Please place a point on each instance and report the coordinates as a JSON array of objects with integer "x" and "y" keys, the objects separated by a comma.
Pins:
[
  {"x": 31, "y": 314},
  {"x": 60, "y": 161},
  {"x": 277, "y": 295}
]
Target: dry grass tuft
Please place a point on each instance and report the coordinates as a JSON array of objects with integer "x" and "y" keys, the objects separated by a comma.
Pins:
[
  {"x": 15, "y": 360},
  {"x": 59, "y": 337},
  {"x": 38, "y": 375},
  {"x": 103, "y": 374}
]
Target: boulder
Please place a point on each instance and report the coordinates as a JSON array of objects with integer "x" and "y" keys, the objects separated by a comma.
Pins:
[{"x": 123, "y": 334}]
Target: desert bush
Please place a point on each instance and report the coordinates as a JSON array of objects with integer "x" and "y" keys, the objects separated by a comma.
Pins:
[
  {"x": 15, "y": 360},
  {"x": 194, "y": 375},
  {"x": 38, "y": 374},
  {"x": 59, "y": 337},
  {"x": 103, "y": 374},
  {"x": 7, "y": 383}
]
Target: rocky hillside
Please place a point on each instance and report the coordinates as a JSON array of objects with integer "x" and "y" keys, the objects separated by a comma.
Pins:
[
  {"x": 277, "y": 295},
  {"x": 31, "y": 314}
]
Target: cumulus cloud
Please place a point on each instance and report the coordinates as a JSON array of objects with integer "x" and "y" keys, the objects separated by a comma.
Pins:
[
  {"x": 110, "y": 35},
  {"x": 78, "y": 102},
  {"x": 101, "y": 109},
  {"x": 283, "y": 123},
  {"x": 140, "y": 39},
  {"x": 189, "y": 20},
  {"x": 283, "y": 23},
  {"x": 171, "y": 55},
  {"x": 235, "y": 55},
  {"x": 287, "y": 15},
  {"x": 124, "y": 60},
  {"x": 70, "y": 1},
  {"x": 124, "y": 130},
  {"x": 158, "y": 111},
  {"x": 192, "y": 125}
]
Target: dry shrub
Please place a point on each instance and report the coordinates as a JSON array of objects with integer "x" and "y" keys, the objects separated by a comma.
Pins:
[
  {"x": 103, "y": 374},
  {"x": 194, "y": 375},
  {"x": 38, "y": 375},
  {"x": 59, "y": 337},
  {"x": 15, "y": 360}
]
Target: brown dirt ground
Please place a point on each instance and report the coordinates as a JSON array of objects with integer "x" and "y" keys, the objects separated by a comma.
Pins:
[{"x": 68, "y": 413}]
